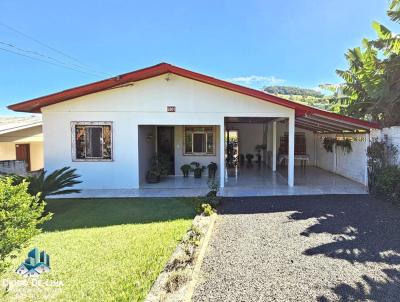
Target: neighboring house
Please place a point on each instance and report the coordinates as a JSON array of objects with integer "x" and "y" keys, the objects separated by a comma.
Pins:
[
  {"x": 21, "y": 139},
  {"x": 109, "y": 130}
]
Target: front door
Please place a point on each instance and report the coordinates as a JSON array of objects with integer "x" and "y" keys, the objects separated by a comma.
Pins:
[
  {"x": 23, "y": 153},
  {"x": 166, "y": 146}
]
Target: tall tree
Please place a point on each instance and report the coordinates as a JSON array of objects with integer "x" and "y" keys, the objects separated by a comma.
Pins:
[{"x": 372, "y": 81}]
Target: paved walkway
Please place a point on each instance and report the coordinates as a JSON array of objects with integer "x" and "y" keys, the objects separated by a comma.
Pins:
[{"x": 303, "y": 248}]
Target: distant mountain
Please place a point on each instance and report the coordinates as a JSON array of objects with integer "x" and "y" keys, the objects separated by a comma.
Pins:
[
  {"x": 290, "y": 90},
  {"x": 301, "y": 95}
]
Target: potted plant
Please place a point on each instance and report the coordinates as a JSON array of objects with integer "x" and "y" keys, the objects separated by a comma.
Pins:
[
  {"x": 158, "y": 168},
  {"x": 328, "y": 143},
  {"x": 212, "y": 169},
  {"x": 197, "y": 169},
  {"x": 185, "y": 170},
  {"x": 344, "y": 144},
  {"x": 241, "y": 159},
  {"x": 258, "y": 149},
  {"x": 249, "y": 158}
]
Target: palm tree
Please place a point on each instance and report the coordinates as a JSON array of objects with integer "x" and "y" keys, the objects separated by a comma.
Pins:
[{"x": 58, "y": 182}]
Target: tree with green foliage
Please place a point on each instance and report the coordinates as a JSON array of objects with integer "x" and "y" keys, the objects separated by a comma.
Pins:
[
  {"x": 304, "y": 96},
  {"x": 20, "y": 215},
  {"x": 372, "y": 81}
]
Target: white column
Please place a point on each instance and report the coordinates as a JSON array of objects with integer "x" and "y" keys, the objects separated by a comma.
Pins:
[
  {"x": 291, "y": 151},
  {"x": 222, "y": 154},
  {"x": 274, "y": 146},
  {"x": 135, "y": 142}
]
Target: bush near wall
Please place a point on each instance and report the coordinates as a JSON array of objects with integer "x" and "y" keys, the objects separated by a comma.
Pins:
[
  {"x": 21, "y": 214},
  {"x": 383, "y": 174}
]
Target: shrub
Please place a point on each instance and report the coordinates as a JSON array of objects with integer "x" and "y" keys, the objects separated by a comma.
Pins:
[
  {"x": 387, "y": 182},
  {"x": 197, "y": 169},
  {"x": 211, "y": 196},
  {"x": 56, "y": 183},
  {"x": 207, "y": 209},
  {"x": 185, "y": 170},
  {"x": 20, "y": 215},
  {"x": 212, "y": 169},
  {"x": 381, "y": 157},
  {"x": 249, "y": 158}
]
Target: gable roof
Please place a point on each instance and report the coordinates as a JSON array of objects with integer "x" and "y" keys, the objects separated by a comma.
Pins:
[
  {"x": 301, "y": 110},
  {"x": 15, "y": 123}
]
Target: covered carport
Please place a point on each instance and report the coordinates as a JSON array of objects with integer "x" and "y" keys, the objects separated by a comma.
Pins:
[{"x": 323, "y": 171}]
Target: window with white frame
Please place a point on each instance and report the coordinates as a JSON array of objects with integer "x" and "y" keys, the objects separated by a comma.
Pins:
[
  {"x": 91, "y": 141},
  {"x": 199, "y": 141}
]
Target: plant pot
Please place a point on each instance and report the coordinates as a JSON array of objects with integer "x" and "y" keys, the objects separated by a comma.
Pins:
[
  {"x": 153, "y": 179},
  {"x": 231, "y": 171},
  {"x": 211, "y": 172},
  {"x": 197, "y": 173},
  {"x": 185, "y": 173}
]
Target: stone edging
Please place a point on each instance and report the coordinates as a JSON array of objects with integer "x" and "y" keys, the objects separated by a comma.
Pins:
[{"x": 178, "y": 279}]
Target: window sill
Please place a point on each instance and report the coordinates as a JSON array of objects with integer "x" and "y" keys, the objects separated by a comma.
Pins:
[
  {"x": 199, "y": 154},
  {"x": 92, "y": 160}
]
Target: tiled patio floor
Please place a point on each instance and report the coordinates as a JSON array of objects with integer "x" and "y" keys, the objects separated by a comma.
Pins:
[{"x": 250, "y": 181}]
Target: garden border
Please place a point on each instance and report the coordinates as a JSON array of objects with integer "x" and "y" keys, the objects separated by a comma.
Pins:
[{"x": 184, "y": 292}]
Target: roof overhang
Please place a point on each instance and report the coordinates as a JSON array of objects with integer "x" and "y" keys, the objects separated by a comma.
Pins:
[{"x": 305, "y": 115}]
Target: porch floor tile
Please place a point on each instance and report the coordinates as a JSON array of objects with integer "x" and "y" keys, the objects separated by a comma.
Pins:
[{"x": 249, "y": 181}]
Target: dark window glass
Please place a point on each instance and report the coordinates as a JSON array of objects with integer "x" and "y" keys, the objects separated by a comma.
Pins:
[
  {"x": 199, "y": 142},
  {"x": 93, "y": 142}
]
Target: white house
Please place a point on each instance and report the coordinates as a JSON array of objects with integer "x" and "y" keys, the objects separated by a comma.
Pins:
[{"x": 109, "y": 130}]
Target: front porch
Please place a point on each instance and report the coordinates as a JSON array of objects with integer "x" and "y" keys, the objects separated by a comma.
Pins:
[{"x": 254, "y": 181}]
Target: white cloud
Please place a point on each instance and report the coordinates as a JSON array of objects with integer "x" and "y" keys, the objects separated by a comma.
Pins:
[{"x": 255, "y": 80}]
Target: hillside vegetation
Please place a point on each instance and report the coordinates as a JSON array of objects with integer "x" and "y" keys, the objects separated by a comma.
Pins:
[{"x": 304, "y": 96}]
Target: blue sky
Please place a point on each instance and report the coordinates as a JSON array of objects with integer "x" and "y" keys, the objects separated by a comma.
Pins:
[{"x": 255, "y": 43}]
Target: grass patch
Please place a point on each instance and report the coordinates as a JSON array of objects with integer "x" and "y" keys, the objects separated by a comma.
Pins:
[{"x": 106, "y": 249}]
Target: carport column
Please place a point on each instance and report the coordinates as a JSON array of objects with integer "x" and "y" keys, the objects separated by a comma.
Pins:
[
  {"x": 291, "y": 151},
  {"x": 222, "y": 154},
  {"x": 274, "y": 146}
]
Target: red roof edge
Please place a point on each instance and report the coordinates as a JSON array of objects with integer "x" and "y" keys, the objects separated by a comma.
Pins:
[{"x": 35, "y": 105}]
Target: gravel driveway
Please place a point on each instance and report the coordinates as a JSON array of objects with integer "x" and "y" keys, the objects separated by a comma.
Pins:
[{"x": 303, "y": 248}]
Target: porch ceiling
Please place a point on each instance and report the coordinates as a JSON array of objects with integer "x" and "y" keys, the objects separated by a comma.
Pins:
[
  {"x": 249, "y": 120},
  {"x": 327, "y": 124}
]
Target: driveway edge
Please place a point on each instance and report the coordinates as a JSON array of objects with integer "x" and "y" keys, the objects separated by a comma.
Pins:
[{"x": 178, "y": 279}]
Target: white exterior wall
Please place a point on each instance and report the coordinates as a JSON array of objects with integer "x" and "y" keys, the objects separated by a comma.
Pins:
[
  {"x": 352, "y": 165},
  {"x": 250, "y": 135},
  {"x": 143, "y": 103},
  {"x": 392, "y": 135}
]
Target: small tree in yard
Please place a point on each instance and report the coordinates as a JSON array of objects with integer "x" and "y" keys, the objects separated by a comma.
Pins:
[{"x": 20, "y": 215}]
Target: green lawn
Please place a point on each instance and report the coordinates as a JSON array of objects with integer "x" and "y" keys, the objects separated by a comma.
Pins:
[{"x": 106, "y": 249}]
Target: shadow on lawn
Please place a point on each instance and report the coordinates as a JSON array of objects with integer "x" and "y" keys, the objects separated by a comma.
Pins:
[
  {"x": 364, "y": 229},
  {"x": 89, "y": 213}
]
